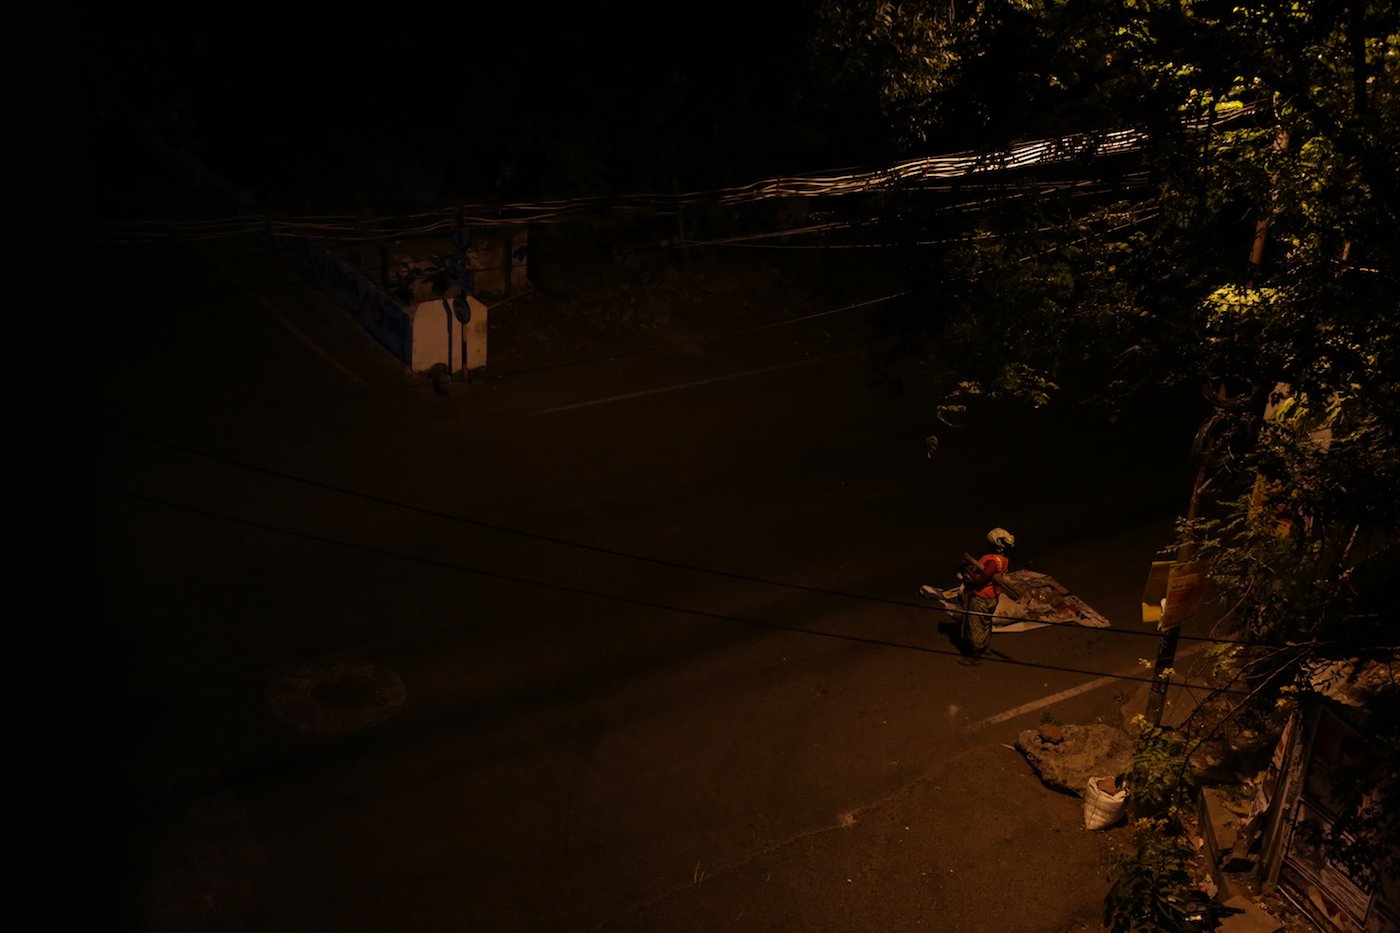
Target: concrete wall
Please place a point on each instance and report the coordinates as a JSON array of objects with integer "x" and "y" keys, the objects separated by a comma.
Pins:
[{"x": 378, "y": 313}]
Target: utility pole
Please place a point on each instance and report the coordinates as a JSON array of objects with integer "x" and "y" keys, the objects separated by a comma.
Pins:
[
  {"x": 1171, "y": 632},
  {"x": 1166, "y": 649}
]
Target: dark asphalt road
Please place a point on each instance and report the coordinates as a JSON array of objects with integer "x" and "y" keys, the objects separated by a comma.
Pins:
[{"x": 551, "y": 653}]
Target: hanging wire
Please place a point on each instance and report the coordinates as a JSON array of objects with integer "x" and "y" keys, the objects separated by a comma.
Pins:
[{"x": 971, "y": 171}]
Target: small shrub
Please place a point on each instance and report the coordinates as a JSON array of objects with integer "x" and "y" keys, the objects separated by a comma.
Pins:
[
  {"x": 1158, "y": 778},
  {"x": 1149, "y": 887}
]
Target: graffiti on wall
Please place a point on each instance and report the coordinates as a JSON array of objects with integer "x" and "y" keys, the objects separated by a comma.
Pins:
[
  {"x": 386, "y": 321},
  {"x": 379, "y": 313}
]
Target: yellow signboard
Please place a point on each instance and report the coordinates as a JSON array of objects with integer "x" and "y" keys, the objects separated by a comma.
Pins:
[
  {"x": 1174, "y": 593},
  {"x": 1154, "y": 594}
]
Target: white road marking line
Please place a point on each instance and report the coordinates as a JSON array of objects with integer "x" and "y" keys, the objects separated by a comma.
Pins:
[
  {"x": 698, "y": 382},
  {"x": 1067, "y": 694}
]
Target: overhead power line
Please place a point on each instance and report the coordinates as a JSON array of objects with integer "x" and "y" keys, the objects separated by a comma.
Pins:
[
  {"x": 650, "y": 604},
  {"x": 593, "y": 548},
  {"x": 961, "y": 172}
]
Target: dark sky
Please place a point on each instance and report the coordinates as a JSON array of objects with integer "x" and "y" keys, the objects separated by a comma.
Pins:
[{"x": 421, "y": 103}]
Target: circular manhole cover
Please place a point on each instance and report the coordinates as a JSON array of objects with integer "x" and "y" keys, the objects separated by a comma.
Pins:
[{"x": 337, "y": 698}]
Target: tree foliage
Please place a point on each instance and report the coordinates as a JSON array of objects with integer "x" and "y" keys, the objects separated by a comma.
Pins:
[{"x": 1250, "y": 248}]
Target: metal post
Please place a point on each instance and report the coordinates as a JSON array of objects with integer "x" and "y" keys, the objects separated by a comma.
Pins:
[
  {"x": 448, "y": 308},
  {"x": 1166, "y": 657}
]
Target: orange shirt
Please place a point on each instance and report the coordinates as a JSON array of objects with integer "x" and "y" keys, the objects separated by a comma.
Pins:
[{"x": 990, "y": 564}]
